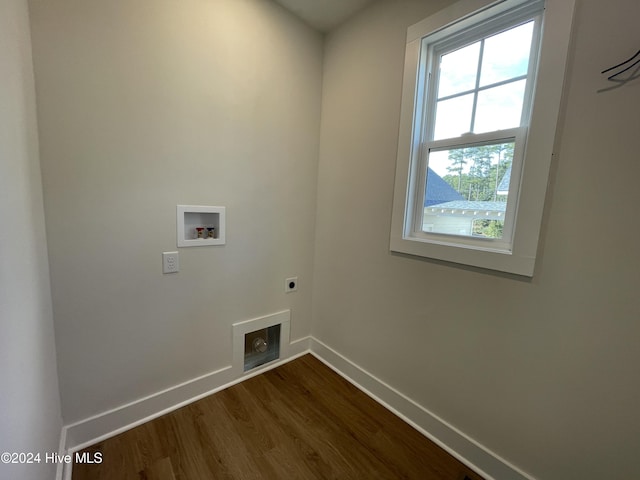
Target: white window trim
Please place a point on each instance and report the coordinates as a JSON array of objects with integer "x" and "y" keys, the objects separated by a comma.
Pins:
[{"x": 520, "y": 258}]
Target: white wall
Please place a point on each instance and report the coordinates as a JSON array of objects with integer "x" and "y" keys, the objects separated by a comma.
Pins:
[
  {"x": 145, "y": 105},
  {"x": 29, "y": 402},
  {"x": 542, "y": 372}
]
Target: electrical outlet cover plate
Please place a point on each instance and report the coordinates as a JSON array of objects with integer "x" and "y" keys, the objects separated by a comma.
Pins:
[
  {"x": 291, "y": 284},
  {"x": 170, "y": 262}
]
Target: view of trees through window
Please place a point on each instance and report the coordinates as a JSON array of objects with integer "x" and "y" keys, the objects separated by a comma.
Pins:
[
  {"x": 488, "y": 228},
  {"x": 476, "y": 172},
  {"x": 477, "y": 179}
]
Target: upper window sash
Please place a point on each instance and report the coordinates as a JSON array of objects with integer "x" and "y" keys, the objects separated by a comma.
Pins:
[{"x": 436, "y": 44}]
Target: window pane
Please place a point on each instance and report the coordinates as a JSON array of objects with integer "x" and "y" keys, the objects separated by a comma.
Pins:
[
  {"x": 458, "y": 70},
  {"x": 464, "y": 192},
  {"x": 506, "y": 55},
  {"x": 500, "y": 107},
  {"x": 453, "y": 117}
]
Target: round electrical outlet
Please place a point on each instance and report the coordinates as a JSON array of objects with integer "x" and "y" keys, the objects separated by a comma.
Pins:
[{"x": 291, "y": 284}]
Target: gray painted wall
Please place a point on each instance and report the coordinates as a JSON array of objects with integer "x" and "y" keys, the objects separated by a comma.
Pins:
[
  {"x": 145, "y": 105},
  {"x": 29, "y": 401},
  {"x": 543, "y": 372}
]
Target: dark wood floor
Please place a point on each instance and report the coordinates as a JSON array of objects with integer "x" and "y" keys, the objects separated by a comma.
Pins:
[{"x": 298, "y": 421}]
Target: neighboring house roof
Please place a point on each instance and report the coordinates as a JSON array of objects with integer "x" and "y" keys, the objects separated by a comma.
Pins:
[
  {"x": 465, "y": 206},
  {"x": 503, "y": 186},
  {"x": 443, "y": 198},
  {"x": 439, "y": 191},
  {"x": 469, "y": 209}
]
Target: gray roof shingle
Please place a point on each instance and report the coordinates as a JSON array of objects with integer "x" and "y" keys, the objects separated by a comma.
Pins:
[{"x": 439, "y": 191}]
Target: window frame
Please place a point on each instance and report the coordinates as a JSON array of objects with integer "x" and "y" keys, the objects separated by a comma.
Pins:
[{"x": 535, "y": 140}]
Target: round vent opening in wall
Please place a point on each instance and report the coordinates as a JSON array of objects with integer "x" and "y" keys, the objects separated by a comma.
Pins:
[{"x": 260, "y": 345}]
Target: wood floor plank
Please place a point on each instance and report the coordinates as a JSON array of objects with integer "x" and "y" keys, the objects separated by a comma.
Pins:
[
  {"x": 330, "y": 431},
  {"x": 160, "y": 470},
  {"x": 298, "y": 421}
]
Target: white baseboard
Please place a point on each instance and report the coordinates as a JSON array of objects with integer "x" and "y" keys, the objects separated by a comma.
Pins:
[
  {"x": 468, "y": 451},
  {"x": 108, "y": 424}
]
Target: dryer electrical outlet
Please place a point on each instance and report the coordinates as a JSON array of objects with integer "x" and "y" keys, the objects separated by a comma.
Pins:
[{"x": 291, "y": 285}]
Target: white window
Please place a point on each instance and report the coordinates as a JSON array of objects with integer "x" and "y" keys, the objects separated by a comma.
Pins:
[{"x": 481, "y": 96}]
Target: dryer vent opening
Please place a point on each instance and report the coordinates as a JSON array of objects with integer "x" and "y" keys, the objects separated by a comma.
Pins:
[
  {"x": 261, "y": 341},
  {"x": 261, "y": 346}
]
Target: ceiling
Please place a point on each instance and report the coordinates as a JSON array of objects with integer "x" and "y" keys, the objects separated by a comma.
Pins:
[{"x": 323, "y": 15}]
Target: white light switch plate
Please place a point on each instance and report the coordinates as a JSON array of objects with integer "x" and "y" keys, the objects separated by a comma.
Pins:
[{"x": 170, "y": 262}]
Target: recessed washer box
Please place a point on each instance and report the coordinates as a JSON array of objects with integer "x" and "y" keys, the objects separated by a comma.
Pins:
[{"x": 200, "y": 225}]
